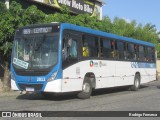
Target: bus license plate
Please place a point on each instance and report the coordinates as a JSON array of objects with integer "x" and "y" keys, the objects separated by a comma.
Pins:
[{"x": 29, "y": 89}]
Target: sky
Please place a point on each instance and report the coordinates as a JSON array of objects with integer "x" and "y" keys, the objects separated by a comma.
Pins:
[{"x": 143, "y": 11}]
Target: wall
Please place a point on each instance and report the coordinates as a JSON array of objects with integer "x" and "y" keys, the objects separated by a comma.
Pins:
[{"x": 158, "y": 66}]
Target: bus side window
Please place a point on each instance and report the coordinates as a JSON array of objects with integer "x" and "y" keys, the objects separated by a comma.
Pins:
[
  {"x": 153, "y": 55},
  {"x": 73, "y": 49},
  {"x": 112, "y": 49},
  {"x": 64, "y": 50},
  {"x": 146, "y": 54},
  {"x": 141, "y": 53},
  {"x": 125, "y": 50},
  {"x": 120, "y": 48},
  {"x": 136, "y": 52},
  {"x": 107, "y": 49},
  {"x": 85, "y": 50},
  {"x": 89, "y": 46},
  {"x": 130, "y": 51},
  {"x": 69, "y": 51}
]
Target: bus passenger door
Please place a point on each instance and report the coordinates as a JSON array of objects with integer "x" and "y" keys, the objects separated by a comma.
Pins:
[
  {"x": 122, "y": 66},
  {"x": 70, "y": 67},
  {"x": 106, "y": 70}
]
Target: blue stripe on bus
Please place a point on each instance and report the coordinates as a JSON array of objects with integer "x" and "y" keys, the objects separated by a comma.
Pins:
[
  {"x": 142, "y": 65},
  {"x": 104, "y": 34}
]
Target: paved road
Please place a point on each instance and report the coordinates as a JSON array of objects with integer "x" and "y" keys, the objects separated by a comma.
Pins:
[{"x": 117, "y": 99}]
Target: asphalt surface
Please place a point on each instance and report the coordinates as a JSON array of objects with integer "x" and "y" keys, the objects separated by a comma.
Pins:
[{"x": 112, "y": 99}]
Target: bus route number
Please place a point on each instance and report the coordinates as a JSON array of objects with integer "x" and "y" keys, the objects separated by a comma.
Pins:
[{"x": 26, "y": 31}]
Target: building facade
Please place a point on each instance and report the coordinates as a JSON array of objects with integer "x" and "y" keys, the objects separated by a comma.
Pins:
[{"x": 92, "y": 7}]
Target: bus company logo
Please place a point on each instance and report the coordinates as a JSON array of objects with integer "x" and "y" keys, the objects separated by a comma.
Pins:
[
  {"x": 101, "y": 64},
  {"x": 91, "y": 63}
]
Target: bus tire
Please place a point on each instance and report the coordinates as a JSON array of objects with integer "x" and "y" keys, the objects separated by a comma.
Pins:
[
  {"x": 86, "y": 90},
  {"x": 136, "y": 85}
]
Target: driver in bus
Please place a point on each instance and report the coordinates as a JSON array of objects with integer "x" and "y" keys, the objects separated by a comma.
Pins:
[{"x": 85, "y": 50}]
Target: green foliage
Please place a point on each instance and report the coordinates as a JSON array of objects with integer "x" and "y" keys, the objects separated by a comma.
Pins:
[
  {"x": 106, "y": 24},
  {"x": 121, "y": 27},
  {"x": 33, "y": 16},
  {"x": 64, "y": 10},
  {"x": 12, "y": 19},
  {"x": 3, "y": 8}
]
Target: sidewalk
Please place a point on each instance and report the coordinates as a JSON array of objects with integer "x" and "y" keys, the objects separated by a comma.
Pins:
[{"x": 9, "y": 93}]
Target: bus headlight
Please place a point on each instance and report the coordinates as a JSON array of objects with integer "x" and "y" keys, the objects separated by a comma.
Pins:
[
  {"x": 12, "y": 76},
  {"x": 52, "y": 77}
]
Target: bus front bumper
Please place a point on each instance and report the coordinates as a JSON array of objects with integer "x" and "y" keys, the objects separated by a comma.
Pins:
[
  {"x": 52, "y": 86},
  {"x": 13, "y": 85}
]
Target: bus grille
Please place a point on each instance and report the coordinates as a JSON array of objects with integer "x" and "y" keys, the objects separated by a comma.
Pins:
[{"x": 36, "y": 87}]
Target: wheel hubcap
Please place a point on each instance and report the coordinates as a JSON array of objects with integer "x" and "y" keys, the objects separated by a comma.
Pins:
[
  {"x": 137, "y": 83},
  {"x": 86, "y": 88}
]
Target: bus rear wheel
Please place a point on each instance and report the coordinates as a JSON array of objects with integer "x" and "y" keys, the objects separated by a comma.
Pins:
[
  {"x": 136, "y": 85},
  {"x": 86, "y": 90}
]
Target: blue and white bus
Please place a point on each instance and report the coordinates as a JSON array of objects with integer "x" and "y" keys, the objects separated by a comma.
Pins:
[{"x": 62, "y": 57}]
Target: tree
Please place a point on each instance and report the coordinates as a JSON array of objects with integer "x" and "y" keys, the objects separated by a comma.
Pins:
[
  {"x": 10, "y": 20},
  {"x": 5, "y": 45},
  {"x": 147, "y": 32},
  {"x": 3, "y": 8}
]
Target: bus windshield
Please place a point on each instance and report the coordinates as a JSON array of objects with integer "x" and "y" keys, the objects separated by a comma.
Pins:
[{"x": 35, "y": 52}]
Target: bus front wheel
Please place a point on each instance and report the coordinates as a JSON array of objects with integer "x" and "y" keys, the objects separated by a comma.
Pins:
[
  {"x": 86, "y": 90},
  {"x": 136, "y": 84}
]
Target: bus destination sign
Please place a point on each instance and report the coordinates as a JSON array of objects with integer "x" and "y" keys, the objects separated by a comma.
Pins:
[{"x": 28, "y": 31}]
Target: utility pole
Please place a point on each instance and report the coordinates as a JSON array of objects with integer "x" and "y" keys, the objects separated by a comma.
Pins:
[{"x": 7, "y": 4}]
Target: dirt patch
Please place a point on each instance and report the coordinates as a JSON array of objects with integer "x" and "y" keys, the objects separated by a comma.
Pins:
[
  {"x": 4, "y": 88},
  {"x": 9, "y": 93}
]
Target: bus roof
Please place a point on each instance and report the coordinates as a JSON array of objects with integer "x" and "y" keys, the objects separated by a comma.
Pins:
[
  {"x": 104, "y": 34},
  {"x": 95, "y": 32}
]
